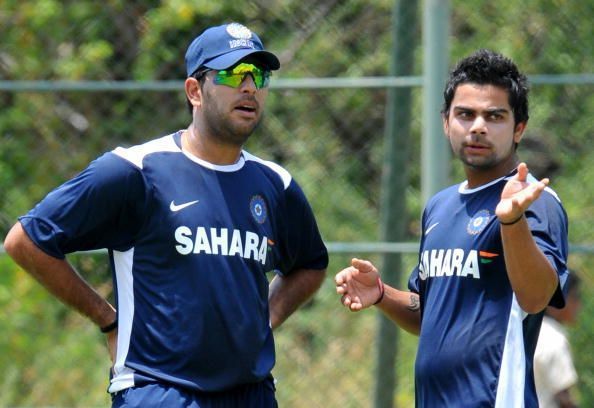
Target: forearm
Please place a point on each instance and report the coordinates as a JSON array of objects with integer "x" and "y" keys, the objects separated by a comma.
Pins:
[
  {"x": 58, "y": 277},
  {"x": 532, "y": 277},
  {"x": 287, "y": 293},
  {"x": 403, "y": 308}
]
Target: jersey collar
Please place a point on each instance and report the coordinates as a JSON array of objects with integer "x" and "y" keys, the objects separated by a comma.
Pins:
[{"x": 238, "y": 165}]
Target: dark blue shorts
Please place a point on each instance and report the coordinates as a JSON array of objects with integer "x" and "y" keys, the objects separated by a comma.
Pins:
[{"x": 259, "y": 395}]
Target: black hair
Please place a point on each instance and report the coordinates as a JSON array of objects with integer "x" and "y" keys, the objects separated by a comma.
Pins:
[{"x": 486, "y": 67}]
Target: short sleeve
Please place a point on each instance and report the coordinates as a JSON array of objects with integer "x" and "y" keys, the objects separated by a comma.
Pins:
[
  {"x": 303, "y": 247},
  {"x": 548, "y": 222},
  {"x": 101, "y": 207}
]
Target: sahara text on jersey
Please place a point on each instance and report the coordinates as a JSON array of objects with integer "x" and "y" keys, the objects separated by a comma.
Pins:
[
  {"x": 246, "y": 244},
  {"x": 450, "y": 262}
]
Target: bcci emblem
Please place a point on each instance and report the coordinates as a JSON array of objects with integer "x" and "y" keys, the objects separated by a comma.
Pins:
[
  {"x": 237, "y": 30},
  {"x": 258, "y": 209},
  {"x": 478, "y": 222}
]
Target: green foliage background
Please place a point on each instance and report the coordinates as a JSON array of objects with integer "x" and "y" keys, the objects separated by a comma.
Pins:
[{"x": 330, "y": 140}]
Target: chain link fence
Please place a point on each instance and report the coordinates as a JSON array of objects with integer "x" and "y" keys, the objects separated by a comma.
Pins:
[{"x": 330, "y": 137}]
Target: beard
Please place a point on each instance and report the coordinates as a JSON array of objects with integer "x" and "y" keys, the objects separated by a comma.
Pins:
[
  {"x": 478, "y": 163},
  {"x": 225, "y": 129},
  {"x": 485, "y": 162}
]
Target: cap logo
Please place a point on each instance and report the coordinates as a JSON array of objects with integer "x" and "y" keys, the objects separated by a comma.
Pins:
[
  {"x": 239, "y": 31},
  {"x": 242, "y": 35}
]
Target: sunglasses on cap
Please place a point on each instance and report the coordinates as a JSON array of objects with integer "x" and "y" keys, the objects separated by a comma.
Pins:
[{"x": 233, "y": 77}]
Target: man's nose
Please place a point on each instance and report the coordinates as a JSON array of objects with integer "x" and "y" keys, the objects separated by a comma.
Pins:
[
  {"x": 479, "y": 125},
  {"x": 248, "y": 84}
]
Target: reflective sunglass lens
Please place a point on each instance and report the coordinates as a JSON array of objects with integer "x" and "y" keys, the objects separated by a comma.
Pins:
[{"x": 235, "y": 76}]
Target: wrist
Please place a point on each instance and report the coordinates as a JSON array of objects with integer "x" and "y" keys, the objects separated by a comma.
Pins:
[
  {"x": 382, "y": 289},
  {"x": 513, "y": 221},
  {"x": 110, "y": 327}
]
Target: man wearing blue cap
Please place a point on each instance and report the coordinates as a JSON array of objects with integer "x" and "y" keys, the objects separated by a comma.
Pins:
[{"x": 192, "y": 223}]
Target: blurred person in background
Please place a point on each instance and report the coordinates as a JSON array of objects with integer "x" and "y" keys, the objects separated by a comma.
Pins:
[
  {"x": 493, "y": 253},
  {"x": 192, "y": 223},
  {"x": 554, "y": 372}
]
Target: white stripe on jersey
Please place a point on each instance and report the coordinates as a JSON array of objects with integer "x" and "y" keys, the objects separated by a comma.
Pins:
[
  {"x": 136, "y": 154},
  {"x": 123, "y": 262},
  {"x": 512, "y": 374},
  {"x": 284, "y": 174},
  {"x": 531, "y": 179}
]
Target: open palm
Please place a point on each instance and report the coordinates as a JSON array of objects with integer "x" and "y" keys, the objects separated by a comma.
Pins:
[
  {"x": 518, "y": 195},
  {"x": 358, "y": 285}
]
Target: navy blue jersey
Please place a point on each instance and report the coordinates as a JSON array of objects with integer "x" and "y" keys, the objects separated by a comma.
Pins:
[
  {"x": 476, "y": 345},
  {"x": 190, "y": 244}
]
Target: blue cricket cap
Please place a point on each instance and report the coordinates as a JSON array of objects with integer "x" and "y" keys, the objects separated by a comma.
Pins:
[{"x": 223, "y": 46}]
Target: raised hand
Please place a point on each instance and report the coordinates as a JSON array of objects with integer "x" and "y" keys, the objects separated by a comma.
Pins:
[
  {"x": 517, "y": 195},
  {"x": 358, "y": 285}
]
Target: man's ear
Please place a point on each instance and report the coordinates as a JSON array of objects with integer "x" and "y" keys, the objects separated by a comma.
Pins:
[
  {"x": 193, "y": 91},
  {"x": 519, "y": 131}
]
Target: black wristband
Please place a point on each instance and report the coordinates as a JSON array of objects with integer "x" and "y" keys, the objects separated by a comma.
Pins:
[
  {"x": 110, "y": 327},
  {"x": 380, "y": 284},
  {"x": 512, "y": 222}
]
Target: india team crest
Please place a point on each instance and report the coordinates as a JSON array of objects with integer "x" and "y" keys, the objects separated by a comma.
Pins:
[
  {"x": 258, "y": 209},
  {"x": 478, "y": 222},
  {"x": 239, "y": 31}
]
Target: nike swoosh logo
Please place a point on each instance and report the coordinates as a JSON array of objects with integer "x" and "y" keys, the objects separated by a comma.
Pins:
[
  {"x": 176, "y": 208},
  {"x": 431, "y": 227}
]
